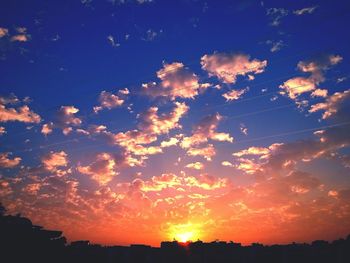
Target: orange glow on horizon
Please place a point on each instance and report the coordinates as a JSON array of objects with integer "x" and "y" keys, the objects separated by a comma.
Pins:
[{"x": 185, "y": 232}]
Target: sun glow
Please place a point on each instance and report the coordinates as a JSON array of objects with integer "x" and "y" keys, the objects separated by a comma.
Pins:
[
  {"x": 184, "y": 232},
  {"x": 184, "y": 237}
]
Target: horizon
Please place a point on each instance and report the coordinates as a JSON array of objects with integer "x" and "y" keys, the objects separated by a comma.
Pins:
[
  {"x": 180, "y": 243},
  {"x": 135, "y": 121}
]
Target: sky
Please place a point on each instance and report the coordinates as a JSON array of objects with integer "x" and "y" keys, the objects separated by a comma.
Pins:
[{"x": 138, "y": 121}]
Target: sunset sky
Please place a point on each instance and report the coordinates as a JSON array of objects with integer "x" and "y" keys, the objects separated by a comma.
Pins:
[{"x": 137, "y": 121}]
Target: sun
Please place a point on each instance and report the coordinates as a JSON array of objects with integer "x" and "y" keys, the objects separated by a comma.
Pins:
[
  {"x": 184, "y": 232},
  {"x": 184, "y": 237}
]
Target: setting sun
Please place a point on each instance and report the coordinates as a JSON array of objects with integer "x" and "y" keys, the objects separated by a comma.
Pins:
[
  {"x": 184, "y": 237},
  {"x": 184, "y": 232}
]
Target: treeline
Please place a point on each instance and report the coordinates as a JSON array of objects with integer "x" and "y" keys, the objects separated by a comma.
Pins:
[{"x": 21, "y": 241}]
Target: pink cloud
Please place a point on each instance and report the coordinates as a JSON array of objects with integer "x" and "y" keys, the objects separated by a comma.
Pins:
[
  {"x": 109, "y": 100},
  {"x": 234, "y": 94},
  {"x": 205, "y": 130},
  {"x": 227, "y": 67},
  {"x": 296, "y": 86},
  {"x": 177, "y": 81}
]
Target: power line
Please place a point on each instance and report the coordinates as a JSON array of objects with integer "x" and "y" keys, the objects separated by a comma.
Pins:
[
  {"x": 218, "y": 105},
  {"x": 115, "y": 130},
  {"x": 294, "y": 132}
]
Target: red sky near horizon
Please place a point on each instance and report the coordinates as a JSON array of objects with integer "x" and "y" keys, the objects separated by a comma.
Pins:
[{"x": 142, "y": 121}]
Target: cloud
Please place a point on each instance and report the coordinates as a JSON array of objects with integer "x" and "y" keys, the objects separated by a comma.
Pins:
[
  {"x": 234, "y": 94},
  {"x": 252, "y": 151},
  {"x": 306, "y": 10},
  {"x": 319, "y": 93},
  {"x": 6, "y": 162},
  {"x": 153, "y": 123},
  {"x": 47, "y": 128},
  {"x": 205, "y": 130},
  {"x": 227, "y": 67},
  {"x": 151, "y": 35},
  {"x": 333, "y": 104},
  {"x": 177, "y": 81},
  {"x": 109, "y": 100},
  {"x": 297, "y": 86},
  {"x": 275, "y": 45},
  {"x": 196, "y": 166},
  {"x": 144, "y": 1},
  {"x": 3, "y": 32},
  {"x": 112, "y": 41},
  {"x": 53, "y": 160},
  {"x": 22, "y": 35},
  {"x": 247, "y": 165},
  {"x": 243, "y": 129},
  {"x": 170, "y": 180},
  {"x": 227, "y": 164},
  {"x": 19, "y": 38},
  {"x": 171, "y": 142},
  {"x": 276, "y": 15},
  {"x": 282, "y": 157},
  {"x": 294, "y": 87},
  {"x": 21, "y": 114},
  {"x": 207, "y": 151},
  {"x": 133, "y": 140},
  {"x": 2, "y": 130},
  {"x": 301, "y": 182},
  {"x": 66, "y": 118},
  {"x": 32, "y": 189},
  {"x": 318, "y": 66},
  {"x": 11, "y": 99},
  {"x": 103, "y": 170}
]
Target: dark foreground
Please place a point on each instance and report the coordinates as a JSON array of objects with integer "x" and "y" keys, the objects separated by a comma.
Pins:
[{"x": 21, "y": 241}]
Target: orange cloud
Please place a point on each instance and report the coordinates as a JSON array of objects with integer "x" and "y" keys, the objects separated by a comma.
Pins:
[
  {"x": 102, "y": 170},
  {"x": 20, "y": 38},
  {"x": 3, "y": 32},
  {"x": 22, "y": 114},
  {"x": 53, "y": 160},
  {"x": 6, "y": 162},
  {"x": 319, "y": 93},
  {"x": 47, "y": 128}
]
